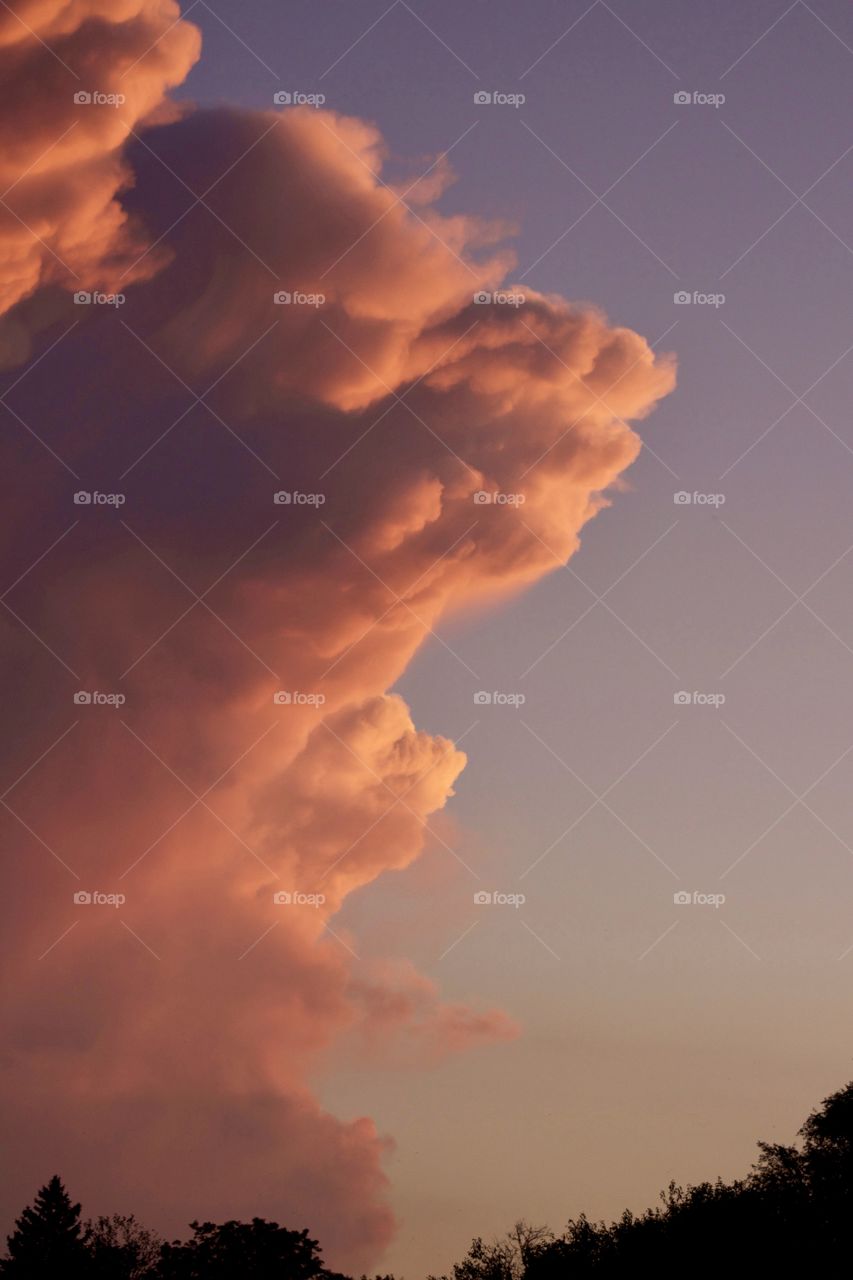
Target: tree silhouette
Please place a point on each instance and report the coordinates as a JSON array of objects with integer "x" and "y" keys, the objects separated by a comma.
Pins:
[
  {"x": 506, "y": 1259},
  {"x": 120, "y": 1248},
  {"x": 46, "y": 1240},
  {"x": 791, "y": 1215},
  {"x": 256, "y": 1250}
]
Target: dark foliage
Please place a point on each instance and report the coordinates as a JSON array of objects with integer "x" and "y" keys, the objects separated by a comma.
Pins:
[
  {"x": 121, "y": 1249},
  {"x": 792, "y": 1214},
  {"x": 47, "y": 1238},
  {"x": 48, "y": 1244},
  {"x": 253, "y": 1249}
]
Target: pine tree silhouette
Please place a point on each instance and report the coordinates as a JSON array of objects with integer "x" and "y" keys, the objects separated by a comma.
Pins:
[{"x": 46, "y": 1240}]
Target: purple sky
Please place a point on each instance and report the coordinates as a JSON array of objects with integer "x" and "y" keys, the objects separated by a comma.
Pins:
[
  {"x": 659, "y": 1040},
  {"x": 636, "y": 1065}
]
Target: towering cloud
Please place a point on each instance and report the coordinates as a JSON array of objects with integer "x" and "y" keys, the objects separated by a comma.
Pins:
[{"x": 161, "y": 1052}]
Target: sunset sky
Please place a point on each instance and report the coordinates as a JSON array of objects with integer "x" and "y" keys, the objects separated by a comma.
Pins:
[{"x": 252, "y": 591}]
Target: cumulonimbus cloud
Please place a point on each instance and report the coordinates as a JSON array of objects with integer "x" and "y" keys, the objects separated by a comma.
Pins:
[{"x": 161, "y": 1052}]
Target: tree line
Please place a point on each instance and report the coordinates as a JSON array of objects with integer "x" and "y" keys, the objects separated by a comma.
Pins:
[
  {"x": 51, "y": 1243},
  {"x": 791, "y": 1215}
]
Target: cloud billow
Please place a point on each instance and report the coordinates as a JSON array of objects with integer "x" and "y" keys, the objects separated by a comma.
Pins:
[{"x": 178, "y": 1080}]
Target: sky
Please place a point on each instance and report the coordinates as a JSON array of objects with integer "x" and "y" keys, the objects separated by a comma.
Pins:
[{"x": 654, "y": 600}]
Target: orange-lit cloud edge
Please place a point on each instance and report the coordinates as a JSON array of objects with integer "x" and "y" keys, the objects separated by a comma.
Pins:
[{"x": 181, "y": 1087}]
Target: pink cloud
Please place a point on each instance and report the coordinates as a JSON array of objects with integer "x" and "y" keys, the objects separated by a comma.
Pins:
[
  {"x": 161, "y": 1054},
  {"x": 78, "y": 79}
]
